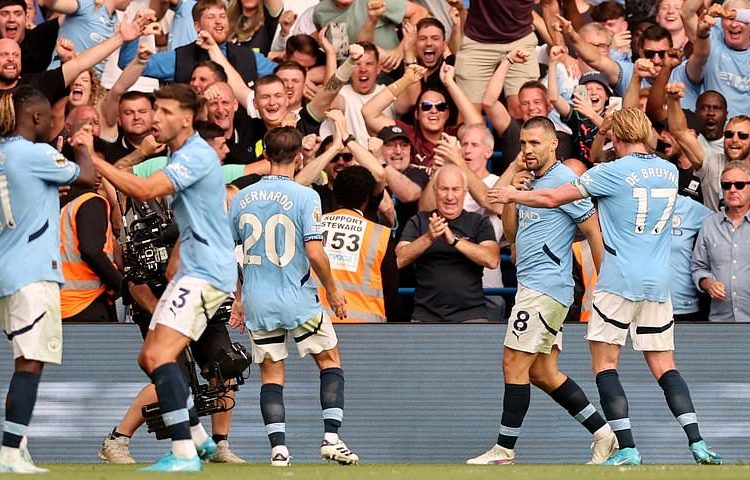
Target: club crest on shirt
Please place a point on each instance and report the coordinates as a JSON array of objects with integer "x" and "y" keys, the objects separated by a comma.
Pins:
[{"x": 59, "y": 158}]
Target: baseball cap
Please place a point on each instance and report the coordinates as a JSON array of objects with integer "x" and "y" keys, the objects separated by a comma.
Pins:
[
  {"x": 598, "y": 77},
  {"x": 391, "y": 133}
]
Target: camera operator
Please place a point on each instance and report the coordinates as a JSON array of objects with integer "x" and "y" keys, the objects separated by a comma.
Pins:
[{"x": 92, "y": 280}]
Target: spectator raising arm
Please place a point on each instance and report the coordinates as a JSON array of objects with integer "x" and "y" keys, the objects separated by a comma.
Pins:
[
  {"x": 678, "y": 126},
  {"x": 588, "y": 52},
  {"x": 361, "y": 155},
  {"x": 375, "y": 10},
  {"x": 126, "y": 32},
  {"x": 556, "y": 54},
  {"x": 696, "y": 65},
  {"x": 469, "y": 114},
  {"x": 311, "y": 171},
  {"x": 656, "y": 104},
  {"x": 374, "y": 108},
  {"x": 107, "y": 107},
  {"x": 643, "y": 68},
  {"x": 491, "y": 104}
]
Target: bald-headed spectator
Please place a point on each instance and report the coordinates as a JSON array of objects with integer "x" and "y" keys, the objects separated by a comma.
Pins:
[
  {"x": 450, "y": 248},
  {"x": 222, "y": 108},
  {"x": 37, "y": 44}
]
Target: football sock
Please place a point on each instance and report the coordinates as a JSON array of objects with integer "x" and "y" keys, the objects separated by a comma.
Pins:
[
  {"x": 615, "y": 406},
  {"x": 173, "y": 393},
  {"x": 332, "y": 398},
  {"x": 218, "y": 438},
  {"x": 678, "y": 398},
  {"x": 19, "y": 405},
  {"x": 197, "y": 432},
  {"x": 515, "y": 405},
  {"x": 570, "y": 396},
  {"x": 272, "y": 409}
]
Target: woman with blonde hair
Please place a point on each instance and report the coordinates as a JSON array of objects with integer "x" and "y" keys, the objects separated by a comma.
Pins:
[{"x": 253, "y": 23}]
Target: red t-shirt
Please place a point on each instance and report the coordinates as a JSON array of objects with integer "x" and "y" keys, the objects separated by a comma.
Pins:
[{"x": 422, "y": 150}]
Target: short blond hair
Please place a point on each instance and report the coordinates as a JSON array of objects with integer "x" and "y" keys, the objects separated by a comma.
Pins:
[{"x": 631, "y": 125}]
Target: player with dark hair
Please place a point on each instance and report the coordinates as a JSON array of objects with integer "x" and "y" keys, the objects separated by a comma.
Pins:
[
  {"x": 30, "y": 275},
  {"x": 544, "y": 262},
  {"x": 206, "y": 273},
  {"x": 636, "y": 195},
  {"x": 277, "y": 221}
]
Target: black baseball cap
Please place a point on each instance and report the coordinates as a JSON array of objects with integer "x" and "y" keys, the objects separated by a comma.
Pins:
[
  {"x": 392, "y": 132},
  {"x": 598, "y": 77}
]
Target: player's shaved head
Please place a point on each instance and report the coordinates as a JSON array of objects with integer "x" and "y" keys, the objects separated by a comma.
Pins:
[
  {"x": 283, "y": 145},
  {"x": 541, "y": 122}
]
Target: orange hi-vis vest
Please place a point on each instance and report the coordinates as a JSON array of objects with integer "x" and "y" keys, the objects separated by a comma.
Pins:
[
  {"x": 82, "y": 286},
  {"x": 582, "y": 253},
  {"x": 355, "y": 248}
]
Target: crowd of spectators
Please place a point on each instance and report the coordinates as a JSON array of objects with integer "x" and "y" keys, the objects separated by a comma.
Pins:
[{"x": 432, "y": 95}]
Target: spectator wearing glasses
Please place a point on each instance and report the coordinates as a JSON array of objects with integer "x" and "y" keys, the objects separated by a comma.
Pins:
[
  {"x": 431, "y": 117},
  {"x": 653, "y": 45},
  {"x": 348, "y": 152},
  {"x": 708, "y": 167},
  {"x": 721, "y": 259}
]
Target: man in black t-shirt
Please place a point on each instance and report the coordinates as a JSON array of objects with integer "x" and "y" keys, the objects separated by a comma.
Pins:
[
  {"x": 222, "y": 110},
  {"x": 37, "y": 44},
  {"x": 54, "y": 83},
  {"x": 450, "y": 248},
  {"x": 404, "y": 181},
  {"x": 134, "y": 118}
]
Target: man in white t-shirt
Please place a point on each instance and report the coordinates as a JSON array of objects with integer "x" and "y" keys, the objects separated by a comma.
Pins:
[{"x": 352, "y": 97}]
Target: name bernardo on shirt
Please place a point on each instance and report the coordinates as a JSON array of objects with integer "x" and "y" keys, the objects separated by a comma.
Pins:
[{"x": 269, "y": 196}]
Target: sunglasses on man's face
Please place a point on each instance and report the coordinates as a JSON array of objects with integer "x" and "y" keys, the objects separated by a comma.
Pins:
[
  {"x": 737, "y": 185},
  {"x": 440, "y": 106},
  {"x": 650, "y": 54},
  {"x": 346, "y": 157},
  {"x": 731, "y": 133}
]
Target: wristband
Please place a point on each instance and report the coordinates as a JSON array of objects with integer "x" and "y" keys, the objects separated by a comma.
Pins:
[
  {"x": 348, "y": 139},
  {"x": 344, "y": 72},
  {"x": 510, "y": 60},
  {"x": 399, "y": 86},
  {"x": 455, "y": 241},
  {"x": 704, "y": 37}
]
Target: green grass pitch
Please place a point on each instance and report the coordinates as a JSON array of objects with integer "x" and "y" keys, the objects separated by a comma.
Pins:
[{"x": 411, "y": 472}]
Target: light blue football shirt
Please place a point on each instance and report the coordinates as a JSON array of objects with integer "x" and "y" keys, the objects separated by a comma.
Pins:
[
  {"x": 183, "y": 26},
  {"x": 206, "y": 248},
  {"x": 86, "y": 27},
  {"x": 272, "y": 219},
  {"x": 545, "y": 237},
  {"x": 636, "y": 196},
  {"x": 686, "y": 222},
  {"x": 728, "y": 71},
  {"x": 30, "y": 212}
]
